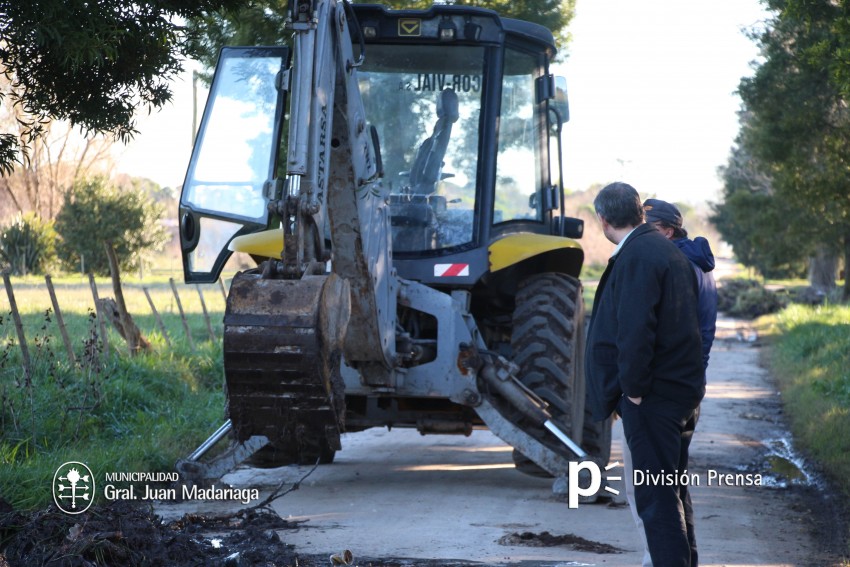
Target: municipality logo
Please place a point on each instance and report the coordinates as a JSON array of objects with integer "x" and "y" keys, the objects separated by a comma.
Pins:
[{"x": 73, "y": 487}]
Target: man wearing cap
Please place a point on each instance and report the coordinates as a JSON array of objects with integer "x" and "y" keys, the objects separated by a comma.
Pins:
[
  {"x": 643, "y": 358},
  {"x": 667, "y": 219}
]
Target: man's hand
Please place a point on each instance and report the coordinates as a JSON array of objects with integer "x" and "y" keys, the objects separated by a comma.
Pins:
[{"x": 635, "y": 401}]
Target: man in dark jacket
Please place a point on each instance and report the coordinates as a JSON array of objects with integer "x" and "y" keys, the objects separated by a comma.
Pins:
[
  {"x": 667, "y": 219},
  {"x": 644, "y": 360}
]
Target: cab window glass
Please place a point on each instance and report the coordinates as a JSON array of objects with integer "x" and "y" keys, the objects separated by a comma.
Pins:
[
  {"x": 425, "y": 103},
  {"x": 518, "y": 177},
  {"x": 233, "y": 158}
]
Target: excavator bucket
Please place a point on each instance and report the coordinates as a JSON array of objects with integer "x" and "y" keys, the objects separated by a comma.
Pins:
[{"x": 282, "y": 346}]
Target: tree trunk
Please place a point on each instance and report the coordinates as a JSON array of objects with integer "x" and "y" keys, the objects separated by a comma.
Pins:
[
  {"x": 845, "y": 296},
  {"x": 119, "y": 315},
  {"x": 822, "y": 269}
]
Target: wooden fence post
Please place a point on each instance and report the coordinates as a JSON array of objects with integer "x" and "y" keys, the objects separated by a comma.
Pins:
[
  {"x": 59, "y": 320},
  {"x": 206, "y": 315},
  {"x": 182, "y": 314},
  {"x": 158, "y": 318},
  {"x": 19, "y": 327},
  {"x": 101, "y": 319}
]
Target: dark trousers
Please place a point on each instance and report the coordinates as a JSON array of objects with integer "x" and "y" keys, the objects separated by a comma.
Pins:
[{"x": 659, "y": 432}]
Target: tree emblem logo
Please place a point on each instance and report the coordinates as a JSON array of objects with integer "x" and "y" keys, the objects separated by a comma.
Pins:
[{"x": 73, "y": 487}]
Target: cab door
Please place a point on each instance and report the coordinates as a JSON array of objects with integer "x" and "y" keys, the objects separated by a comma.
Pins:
[{"x": 232, "y": 173}]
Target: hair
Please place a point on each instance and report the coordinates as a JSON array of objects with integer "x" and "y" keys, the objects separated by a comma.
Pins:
[
  {"x": 677, "y": 231},
  {"x": 620, "y": 205}
]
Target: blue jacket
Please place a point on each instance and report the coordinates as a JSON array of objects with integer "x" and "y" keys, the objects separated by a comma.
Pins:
[
  {"x": 699, "y": 253},
  {"x": 644, "y": 334}
]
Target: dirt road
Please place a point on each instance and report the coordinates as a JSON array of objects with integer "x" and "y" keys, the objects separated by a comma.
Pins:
[{"x": 396, "y": 494}]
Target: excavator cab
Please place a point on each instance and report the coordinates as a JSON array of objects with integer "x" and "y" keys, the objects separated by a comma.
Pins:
[
  {"x": 417, "y": 265},
  {"x": 464, "y": 112},
  {"x": 464, "y": 107}
]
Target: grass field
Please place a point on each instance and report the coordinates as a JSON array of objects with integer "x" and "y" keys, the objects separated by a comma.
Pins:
[
  {"x": 116, "y": 412},
  {"x": 75, "y": 299}
]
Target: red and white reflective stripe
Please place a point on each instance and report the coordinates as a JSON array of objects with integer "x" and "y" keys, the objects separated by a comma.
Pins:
[{"x": 448, "y": 270}]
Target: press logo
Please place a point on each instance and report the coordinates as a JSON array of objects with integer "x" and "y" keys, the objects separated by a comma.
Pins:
[
  {"x": 588, "y": 472},
  {"x": 73, "y": 487}
]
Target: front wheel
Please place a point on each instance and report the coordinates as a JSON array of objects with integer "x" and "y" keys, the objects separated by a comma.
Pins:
[{"x": 547, "y": 341}]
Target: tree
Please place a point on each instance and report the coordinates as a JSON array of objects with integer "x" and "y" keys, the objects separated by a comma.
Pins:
[
  {"x": 56, "y": 159},
  {"x": 755, "y": 222},
  {"x": 797, "y": 128},
  {"x": 93, "y": 64},
  {"x": 95, "y": 213},
  {"x": 110, "y": 229}
]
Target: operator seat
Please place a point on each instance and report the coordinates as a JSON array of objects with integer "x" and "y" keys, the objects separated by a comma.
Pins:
[
  {"x": 428, "y": 163},
  {"x": 414, "y": 223}
]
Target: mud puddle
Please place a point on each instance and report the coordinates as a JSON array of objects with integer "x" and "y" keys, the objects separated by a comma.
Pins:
[{"x": 782, "y": 466}]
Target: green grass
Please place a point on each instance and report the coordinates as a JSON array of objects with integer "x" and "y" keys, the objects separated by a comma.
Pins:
[
  {"x": 811, "y": 360},
  {"x": 115, "y": 413},
  {"x": 592, "y": 271}
]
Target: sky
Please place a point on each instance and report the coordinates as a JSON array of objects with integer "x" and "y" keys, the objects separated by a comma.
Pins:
[
  {"x": 652, "y": 93},
  {"x": 652, "y": 99}
]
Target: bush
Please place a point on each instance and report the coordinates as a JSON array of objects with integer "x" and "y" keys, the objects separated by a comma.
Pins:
[
  {"x": 748, "y": 299},
  {"x": 96, "y": 213},
  {"x": 728, "y": 292},
  {"x": 28, "y": 245}
]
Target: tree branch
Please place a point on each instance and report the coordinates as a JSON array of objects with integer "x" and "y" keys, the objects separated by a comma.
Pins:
[{"x": 276, "y": 493}]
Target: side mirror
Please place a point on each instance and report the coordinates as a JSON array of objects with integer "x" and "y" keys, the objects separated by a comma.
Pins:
[{"x": 560, "y": 101}]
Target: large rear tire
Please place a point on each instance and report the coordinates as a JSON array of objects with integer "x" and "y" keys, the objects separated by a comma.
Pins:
[{"x": 547, "y": 342}]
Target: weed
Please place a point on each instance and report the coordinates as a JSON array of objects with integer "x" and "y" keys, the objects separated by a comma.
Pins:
[{"x": 835, "y": 388}]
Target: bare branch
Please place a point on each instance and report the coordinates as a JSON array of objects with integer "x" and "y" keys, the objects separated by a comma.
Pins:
[{"x": 279, "y": 492}]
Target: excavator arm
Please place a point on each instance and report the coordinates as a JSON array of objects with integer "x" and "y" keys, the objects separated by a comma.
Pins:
[{"x": 333, "y": 186}]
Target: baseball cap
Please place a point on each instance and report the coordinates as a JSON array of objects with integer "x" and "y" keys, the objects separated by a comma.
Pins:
[{"x": 658, "y": 210}]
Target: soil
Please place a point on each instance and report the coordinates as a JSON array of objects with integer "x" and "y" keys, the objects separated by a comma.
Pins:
[
  {"x": 125, "y": 533},
  {"x": 129, "y": 534},
  {"x": 545, "y": 539}
]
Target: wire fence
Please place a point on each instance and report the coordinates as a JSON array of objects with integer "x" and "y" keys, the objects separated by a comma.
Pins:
[{"x": 67, "y": 310}]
